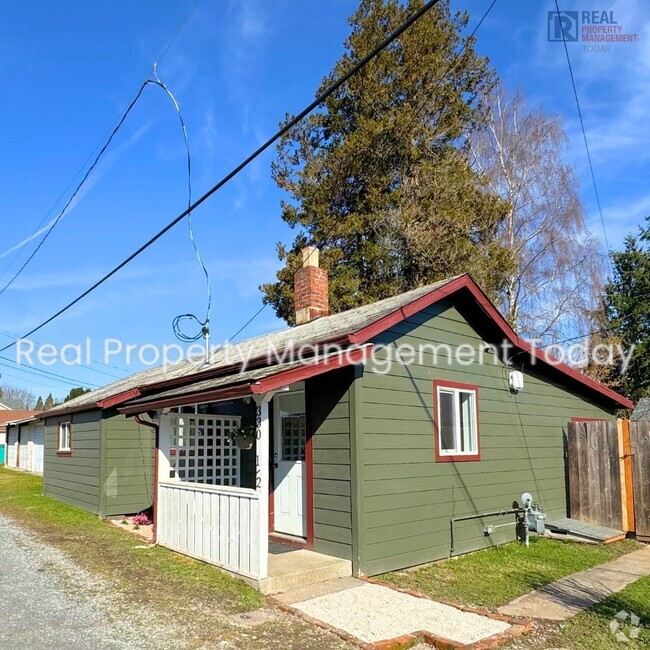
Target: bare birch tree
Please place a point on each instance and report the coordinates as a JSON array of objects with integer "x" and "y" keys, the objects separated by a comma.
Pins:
[
  {"x": 16, "y": 398},
  {"x": 558, "y": 266}
]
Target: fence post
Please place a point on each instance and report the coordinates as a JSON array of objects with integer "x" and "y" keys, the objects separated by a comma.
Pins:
[{"x": 627, "y": 479}]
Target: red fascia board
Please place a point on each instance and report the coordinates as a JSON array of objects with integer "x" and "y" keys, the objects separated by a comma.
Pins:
[
  {"x": 231, "y": 392},
  {"x": 577, "y": 376},
  {"x": 346, "y": 358},
  {"x": 263, "y": 386},
  {"x": 211, "y": 373},
  {"x": 119, "y": 398},
  {"x": 465, "y": 282}
]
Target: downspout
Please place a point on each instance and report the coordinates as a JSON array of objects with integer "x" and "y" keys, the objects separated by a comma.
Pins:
[{"x": 156, "y": 431}]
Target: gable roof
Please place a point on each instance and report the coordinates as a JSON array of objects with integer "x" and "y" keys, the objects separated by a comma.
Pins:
[
  {"x": 642, "y": 410},
  {"x": 353, "y": 327}
]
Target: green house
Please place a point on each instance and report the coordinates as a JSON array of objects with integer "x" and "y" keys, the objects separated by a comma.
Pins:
[
  {"x": 97, "y": 459},
  {"x": 402, "y": 415}
]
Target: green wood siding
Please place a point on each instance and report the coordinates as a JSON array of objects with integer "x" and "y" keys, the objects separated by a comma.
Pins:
[
  {"x": 328, "y": 408},
  {"x": 405, "y": 498},
  {"x": 74, "y": 479},
  {"x": 127, "y": 452}
]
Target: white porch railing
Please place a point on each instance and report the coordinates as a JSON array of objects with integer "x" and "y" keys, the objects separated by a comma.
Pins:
[{"x": 216, "y": 524}]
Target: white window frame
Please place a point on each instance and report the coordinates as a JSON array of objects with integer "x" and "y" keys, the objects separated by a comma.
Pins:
[
  {"x": 68, "y": 426},
  {"x": 456, "y": 391}
]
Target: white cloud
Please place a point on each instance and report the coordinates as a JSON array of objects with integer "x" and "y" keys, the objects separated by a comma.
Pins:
[{"x": 108, "y": 160}]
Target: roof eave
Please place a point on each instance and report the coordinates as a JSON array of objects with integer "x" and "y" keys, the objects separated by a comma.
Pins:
[{"x": 260, "y": 387}]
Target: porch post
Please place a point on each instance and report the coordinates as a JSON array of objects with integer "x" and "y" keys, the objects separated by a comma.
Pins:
[
  {"x": 161, "y": 470},
  {"x": 262, "y": 481}
]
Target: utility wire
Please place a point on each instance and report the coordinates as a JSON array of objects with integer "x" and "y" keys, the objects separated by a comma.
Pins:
[
  {"x": 93, "y": 156},
  {"x": 77, "y": 189},
  {"x": 287, "y": 127},
  {"x": 584, "y": 134},
  {"x": 101, "y": 372},
  {"x": 40, "y": 371}
]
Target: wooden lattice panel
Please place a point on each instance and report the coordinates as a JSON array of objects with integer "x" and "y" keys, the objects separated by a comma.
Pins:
[{"x": 201, "y": 450}]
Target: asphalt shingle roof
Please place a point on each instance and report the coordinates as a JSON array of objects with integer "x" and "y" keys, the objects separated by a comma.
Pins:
[{"x": 320, "y": 330}]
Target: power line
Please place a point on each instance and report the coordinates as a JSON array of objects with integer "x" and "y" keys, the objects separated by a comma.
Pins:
[
  {"x": 77, "y": 189},
  {"x": 287, "y": 127},
  {"x": 32, "y": 369},
  {"x": 10, "y": 335},
  {"x": 584, "y": 133},
  {"x": 110, "y": 134}
]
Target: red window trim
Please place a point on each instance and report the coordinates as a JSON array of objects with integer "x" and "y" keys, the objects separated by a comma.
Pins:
[
  {"x": 59, "y": 451},
  {"x": 445, "y": 458}
]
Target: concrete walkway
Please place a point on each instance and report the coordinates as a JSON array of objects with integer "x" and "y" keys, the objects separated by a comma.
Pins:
[
  {"x": 574, "y": 594},
  {"x": 376, "y": 614}
]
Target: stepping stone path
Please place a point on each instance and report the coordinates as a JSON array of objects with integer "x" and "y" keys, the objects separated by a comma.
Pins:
[{"x": 576, "y": 593}]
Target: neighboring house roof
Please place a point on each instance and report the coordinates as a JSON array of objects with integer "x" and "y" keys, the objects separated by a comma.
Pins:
[
  {"x": 12, "y": 416},
  {"x": 25, "y": 420},
  {"x": 353, "y": 327},
  {"x": 642, "y": 410},
  {"x": 4, "y": 407}
]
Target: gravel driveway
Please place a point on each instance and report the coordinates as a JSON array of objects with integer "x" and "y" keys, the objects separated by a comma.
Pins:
[{"x": 48, "y": 603}]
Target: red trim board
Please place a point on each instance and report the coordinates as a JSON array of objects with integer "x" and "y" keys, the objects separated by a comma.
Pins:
[{"x": 446, "y": 458}]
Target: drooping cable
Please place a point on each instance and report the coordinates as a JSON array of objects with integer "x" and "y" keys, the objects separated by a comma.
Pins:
[{"x": 204, "y": 325}]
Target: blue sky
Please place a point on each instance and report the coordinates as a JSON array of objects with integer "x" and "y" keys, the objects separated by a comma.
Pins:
[{"x": 67, "y": 71}]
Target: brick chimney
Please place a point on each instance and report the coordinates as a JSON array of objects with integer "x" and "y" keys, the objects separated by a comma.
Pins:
[{"x": 310, "y": 287}]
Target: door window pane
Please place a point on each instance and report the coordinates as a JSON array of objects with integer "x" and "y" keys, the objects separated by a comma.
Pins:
[
  {"x": 293, "y": 437},
  {"x": 292, "y": 426}
]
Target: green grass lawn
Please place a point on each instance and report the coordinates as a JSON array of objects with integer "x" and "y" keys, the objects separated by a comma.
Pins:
[
  {"x": 170, "y": 586},
  {"x": 495, "y": 576},
  {"x": 115, "y": 553}
]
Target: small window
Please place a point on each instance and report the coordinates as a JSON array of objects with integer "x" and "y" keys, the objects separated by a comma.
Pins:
[
  {"x": 456, "y": 422},
  {"x": 65, "y": 436}
]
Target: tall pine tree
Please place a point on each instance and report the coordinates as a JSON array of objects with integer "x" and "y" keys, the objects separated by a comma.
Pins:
[{"x": 377, "y": 177}]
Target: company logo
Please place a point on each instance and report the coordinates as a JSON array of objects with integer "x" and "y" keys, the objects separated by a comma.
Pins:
[
  {"x": 596, "y": 30},
  {"x": 563, "y": 26}
]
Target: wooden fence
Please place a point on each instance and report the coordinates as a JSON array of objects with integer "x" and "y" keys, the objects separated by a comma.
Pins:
[
  {"x": 640, "y": 448},
  {"x": 609, "y": 474}
]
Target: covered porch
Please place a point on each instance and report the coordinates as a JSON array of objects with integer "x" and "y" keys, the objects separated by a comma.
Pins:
[{"x": 233, "y": 488}]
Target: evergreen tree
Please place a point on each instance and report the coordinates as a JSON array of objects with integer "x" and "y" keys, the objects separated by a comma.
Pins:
[
  {"x": 627, "y": 310},
  {"x": 49, "y": 402},
  {"x": 76, "y": 392},
  {"x": 377, "y": 178},
  {"x": 39, "y": 404}
]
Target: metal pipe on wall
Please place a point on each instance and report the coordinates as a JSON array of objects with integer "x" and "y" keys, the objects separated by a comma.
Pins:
[{"x": 495, "y": 513}]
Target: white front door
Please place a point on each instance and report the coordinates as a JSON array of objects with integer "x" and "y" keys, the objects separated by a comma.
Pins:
[{"x": 289, "y": 436}]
